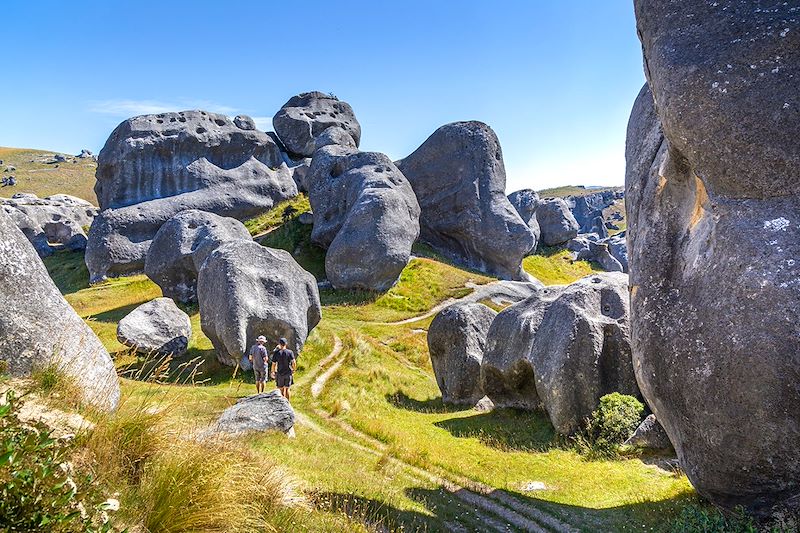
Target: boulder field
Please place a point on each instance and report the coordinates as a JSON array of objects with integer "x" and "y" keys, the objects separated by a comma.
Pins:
[
  {"x": 154, "y": 166},
  {"x": 39, "y": 329},
  {"x": 713, "y": 198},
  {"x": 562, "y": 349}
]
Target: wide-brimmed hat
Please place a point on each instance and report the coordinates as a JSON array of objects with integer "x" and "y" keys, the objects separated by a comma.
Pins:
[{"x": 261, "y": 338}]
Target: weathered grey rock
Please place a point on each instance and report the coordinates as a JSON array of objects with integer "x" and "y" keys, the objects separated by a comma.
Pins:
[
  {"x": 618, "y": 247},
  {"x": 155, "y": 166},
  {"x": 562, "y": 349},
  {"x": 243, "y": 122},
  {"x": 600, "y": 254},
  {"x": 556, "y": 222},
  {"x": 306, "y": 116},
  {"x": 459, "y": 179},
  {"x": 246, "y": 290},
  {"x": 57, "y": 219},
  {"x": 714, "y": 243},
  {"x": 456, "y": 340},
  {"x": 599, "y": 227},
  {"x": 526, "y": 202},
  {"x": 268, "y": 411},
  {"x": 59, "y": 158},
  {"x": 38, "y": 328},
  {"x": 587, "y": 208},
  {"x": 306, "y": 218},
  {"x": 156, "y": 327},
  {"x": 85, "y": 154},
  {"x": 650, "y": 435},
  {"x": 182, "y": 244},
  {"x": 365, "y": 214}
]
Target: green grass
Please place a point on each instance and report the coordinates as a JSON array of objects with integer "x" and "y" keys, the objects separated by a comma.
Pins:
[
  {"x": 278, "y": 215},
  {"x": 36, "y": 176},
  {"x": 387, "y": 393},
  {"x": 573, "y": 190},
  {"x": 555, "y": 266}
]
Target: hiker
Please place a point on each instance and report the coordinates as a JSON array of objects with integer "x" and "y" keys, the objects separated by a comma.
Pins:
[
  {"x": 260, "y": 359},
  {"x": 284, "y": 363}
]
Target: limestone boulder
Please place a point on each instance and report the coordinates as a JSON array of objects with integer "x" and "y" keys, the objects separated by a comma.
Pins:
[
  {"x": 556, "y": 222},
  {"x": 562, "y": 349},
  {"x": 156, "y": 327},
  {"x": 650, "y": 435},
  {"x": 456, "y": 340},
  {"x": 268, "y": 411},
  {"x": 39, "y": 329},
  {"x": 153, "y": 167},
  {"x": 245, "y": 290},
  {"x": 459, "y": 178},
  {"x": 305, "y": 117},
  {"x": 182, "y": 244},
  {"x": 713, "y": 197},
  {"x": 365, "y": 214},
  {"x": 526, "y": 201}
]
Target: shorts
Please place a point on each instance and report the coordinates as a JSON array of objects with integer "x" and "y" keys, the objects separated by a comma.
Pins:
[
  {"x": 261, "y": 375},
  {"x": 284, "y": 380}
]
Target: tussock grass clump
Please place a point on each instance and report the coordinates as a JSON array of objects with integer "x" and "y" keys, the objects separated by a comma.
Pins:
[{"x": 56, "y": 386}]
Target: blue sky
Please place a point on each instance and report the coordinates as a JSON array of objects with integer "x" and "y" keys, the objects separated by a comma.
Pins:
[{"x": 556, "y": 80}]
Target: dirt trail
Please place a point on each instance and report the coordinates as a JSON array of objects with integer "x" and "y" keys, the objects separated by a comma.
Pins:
[
  {"x": 502, "y": 511},
  {"x": 319, "y": 383},
  {"x": 497, "y": 291}
]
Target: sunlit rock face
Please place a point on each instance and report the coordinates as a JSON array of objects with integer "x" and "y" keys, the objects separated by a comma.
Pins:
[{"x": 712, "y": 184}]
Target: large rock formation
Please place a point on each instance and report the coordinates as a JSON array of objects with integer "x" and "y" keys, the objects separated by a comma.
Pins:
[
  {"x": 526, "y": 201},
  {"x": 304, "y": 118},
  {"x": 456, "y": 340},
  {"x": 38, "y": 328},
  {"x": 155, "y": 166},
  {"x": 459, "y": 179},
  {"x": 365, "y": 214},
  {"x": 714, "y": 214},
  {"x": 182, "y": 244},
  {"x": 556, "y": 222},
  {"x": 562, "y": 349},
  {"x": 586, "y": 208},
  {"x": 156, "y": 327},
  {"x": 57, "y": 219},
  {"x": 246, "y": 290}
]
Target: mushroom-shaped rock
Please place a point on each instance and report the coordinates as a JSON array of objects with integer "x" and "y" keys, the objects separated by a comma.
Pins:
[
  {"x": 562, "y": 349},
  {"x": 182, "y": 244},
  {"x": 526, "y": 201},
  {"x": 157, "y": 327},
  {"x": 306, "y": 116},
  {"x": 713, "y": 199},
  {"x": 365, "y": 214},
  {"x": 154, "y": 166},
  {"x": 246, "y": 290},
  {"x": 456, "y": 340},
  {"x": 38, "y": 328},
  {"x": 556, "y": 222},
  {"x": 268, "y": 411},
  {"x": 459, "y": 179},
  {"x": 650, "y": 435}
]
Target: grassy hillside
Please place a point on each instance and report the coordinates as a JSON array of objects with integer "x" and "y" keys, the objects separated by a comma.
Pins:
[
  {"x": 573, "y": 190},
  {"x": 375, "y": 446},
  {"x": 35, "y": 174}
]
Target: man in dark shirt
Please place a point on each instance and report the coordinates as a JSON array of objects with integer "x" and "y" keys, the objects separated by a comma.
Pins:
[
  {"x": 284, "y": 363},
  {"x": 260, "y": 359}
]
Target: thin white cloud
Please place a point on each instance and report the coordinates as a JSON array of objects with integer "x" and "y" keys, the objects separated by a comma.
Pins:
[
  {"x": 263, "y": 123},
  {"x": 130, "y": 108}
]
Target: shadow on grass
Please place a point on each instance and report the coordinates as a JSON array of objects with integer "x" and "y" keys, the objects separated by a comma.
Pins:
[
  {"x": 505, "y": 429},
  {"x": 115, "y": 315},
  {"x": 432, "y": 405},
  {"x": 68, "y": 271}
]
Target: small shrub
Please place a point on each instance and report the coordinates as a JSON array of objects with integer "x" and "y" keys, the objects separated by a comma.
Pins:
[
  {"x": 615, "y": 419},
  {"x": 38, "y": 489},
  {"x": 696, "y": 519}
]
